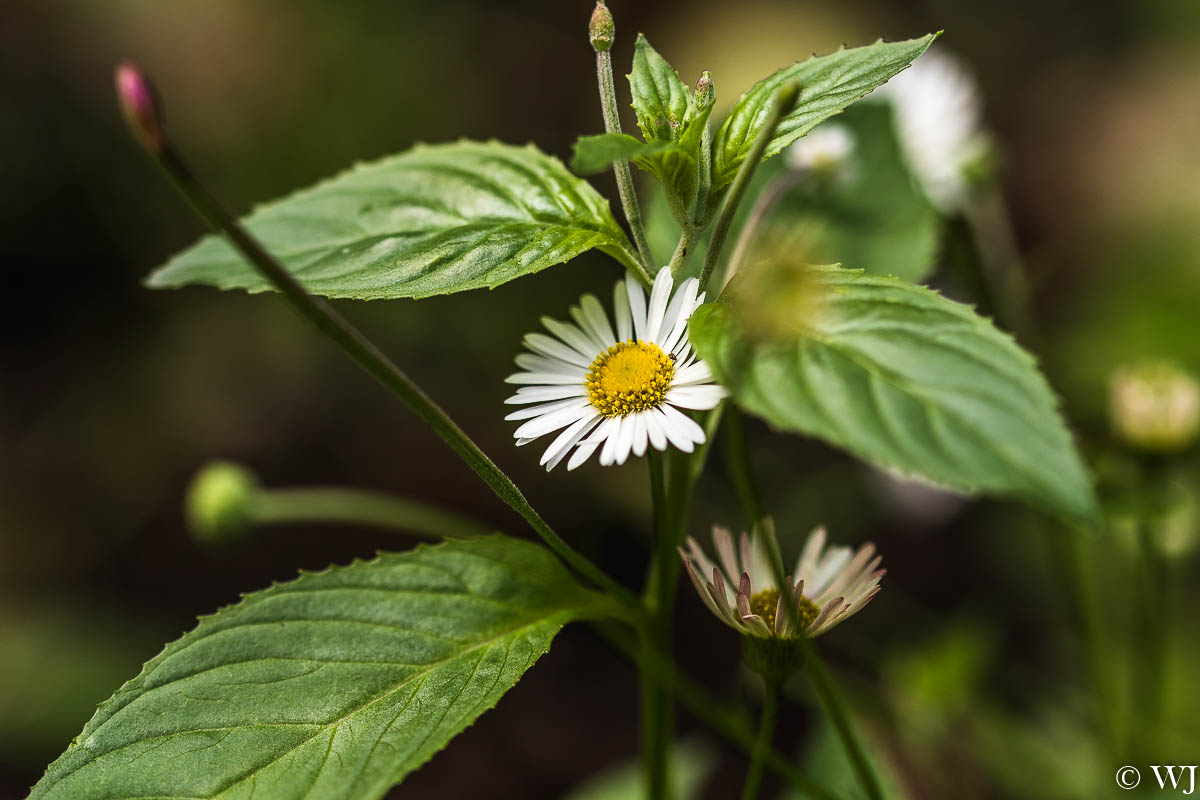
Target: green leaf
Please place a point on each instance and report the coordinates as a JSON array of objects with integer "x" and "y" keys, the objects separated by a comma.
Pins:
[
  {"x": 691, "y": 765},
  {"x": 899, "y": 376},
  {"x": 434, "y": 220},
  {"x": 867, "y": 211},
  {"x": 828, "y": 85},
  {"x": 660, "y": 99},
  {"x": 334, "y": 685},
  {"x": 596, "y": 153}
]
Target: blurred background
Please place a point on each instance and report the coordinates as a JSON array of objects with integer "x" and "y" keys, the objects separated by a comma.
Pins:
[{"x": 970, "y": 670}]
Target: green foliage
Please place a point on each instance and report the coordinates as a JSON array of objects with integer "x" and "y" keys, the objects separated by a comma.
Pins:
[
  {"x": 897, "y": 375},
  {"x": 596, "y": 153},
  {"x": 434, "y": 220},
  {"x": 869, "y": 211},
  {"x": 335, "y": 685},
  {"x": 829, "y": 84},
  {"x": 691, "y": 765},
  {"x": 668, "y": 114}
]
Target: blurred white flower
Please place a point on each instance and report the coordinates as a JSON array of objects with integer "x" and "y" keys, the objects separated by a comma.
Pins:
[
  {"x": 1155, "y": 406},
  {"x": 939, "y": 115},
  {"x": 830, "y": 584},
  {"x": 622, "y": 390},
  {"x": 825, "y": 147}
]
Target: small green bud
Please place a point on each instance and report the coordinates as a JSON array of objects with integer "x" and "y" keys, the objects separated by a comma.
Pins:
[
  {"x": 220, "y": 500},
  {"x": 788, "y": 96},
  {"x": 139, "y": 105},
  {"x": 772, "y": 657},
  {"x": 601, "y": 30},
  {"x": 1155, "y": 406},
  {"x": 705, "y": 94}
]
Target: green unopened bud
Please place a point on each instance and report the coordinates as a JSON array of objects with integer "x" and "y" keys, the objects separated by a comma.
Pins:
[
  {"x": 1155, "y": 406},
  {"x": 787, "y": 97},
  {"x": 705, "y": 94},
  {"x": 139, "y": 105},
  {"x": 220, "y": 502},
  {"x": 601, "y": 30}
]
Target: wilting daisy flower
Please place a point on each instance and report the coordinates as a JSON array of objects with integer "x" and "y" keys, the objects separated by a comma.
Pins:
[
  {"x": 826, "y": 146},
  {"x": 939, "y": 119},
  {"x": 619, "y": 392},
  {"x": 830, "y": 584}
]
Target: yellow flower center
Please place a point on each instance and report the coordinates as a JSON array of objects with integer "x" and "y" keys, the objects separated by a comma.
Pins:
[
  {"x": 766, "y": 603},
  {"x": 628, "y": 377}
]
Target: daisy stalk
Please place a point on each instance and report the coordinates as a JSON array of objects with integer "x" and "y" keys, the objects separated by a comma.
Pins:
[
  {"x": 785, "y": 101},
  {"x": 139, "y": 104},
  {"x": 601, "y": 32}
]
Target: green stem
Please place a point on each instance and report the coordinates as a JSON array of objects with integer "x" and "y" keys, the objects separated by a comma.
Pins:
[
  {"x": 625, "y": 189},
  {"x": 835, "y": 707},
  {"x": 727, "y": 721},
  {"x": 1002, "y": 272},
  {"x": 784, "y": 102},
  {"x": 761, "y": 210},
  {"x": 656, "y": 694},
  {"x": 762, "y": 743},
  {"x": 687, "y": 238},
  {"x": 737, "y": 460},
  {"x": 359, "y": 507},
  {"x": 363, "y": 352},
  {"x": 1150, "y": 634}
]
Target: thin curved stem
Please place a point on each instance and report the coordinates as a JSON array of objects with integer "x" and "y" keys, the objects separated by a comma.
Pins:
[
  {"x": 656, "y": 694},
  {"x": 762, "y": 742},
  {"x": 762, "y": 208},
  {"x": 785, "y": 101},
  {"x": 336, "y": 504},
  {"x": 625, "y": 188},
  {"x": 364, "y": 353},
  {"x": 835, "y": 707}
]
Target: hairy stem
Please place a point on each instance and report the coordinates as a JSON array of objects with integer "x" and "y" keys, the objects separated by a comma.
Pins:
[
  {"x": 785, "y": 101},
  {"x": 758, "y": 214},
  {"x": 364, "y": 353},
  {"x": 762, "y": 742},
  {"x": 629, "y": 199}
]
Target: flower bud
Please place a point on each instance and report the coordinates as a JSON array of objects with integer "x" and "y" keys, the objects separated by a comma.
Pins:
[
  {"x": 220, "y": 500},
  {"x": 705, "y": 94},
  {"x": 1154, "y": 406},
  {"x": 139, "y": 104},
  {"x": 601, "y": 29}
]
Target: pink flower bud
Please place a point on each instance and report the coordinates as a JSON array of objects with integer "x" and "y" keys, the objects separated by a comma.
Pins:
[{"x": 139, "y": 104}]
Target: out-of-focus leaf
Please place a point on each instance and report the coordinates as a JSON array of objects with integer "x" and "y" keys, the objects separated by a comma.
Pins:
[
  {"x": 334, "y": 685},
  {"x": 434, "y": 220},
  {"x": 828, "y": 84},
  {"x": 596, "y": 153},
  {"x": 899, "y": 376},
  {"x": 691, "y": 766}
]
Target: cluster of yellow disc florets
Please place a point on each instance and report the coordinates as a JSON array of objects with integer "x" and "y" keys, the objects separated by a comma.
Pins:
[
  {"x": 766, "y": 603},
  {"x": 629, "y": 377}
]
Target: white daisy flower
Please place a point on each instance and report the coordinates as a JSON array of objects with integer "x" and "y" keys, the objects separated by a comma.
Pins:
[
  {"x": 831, "y": 584},
  {"x": 825, "y": 147},
  {"x": 939, "y": 117},
  {"x": 617, "y": 392}
]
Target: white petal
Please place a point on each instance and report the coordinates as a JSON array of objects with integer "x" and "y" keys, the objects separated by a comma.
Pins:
[
  {"x": 540, "y": 394},
  {"x": 827, "y": 569},
  {"x": 809, "y": 554},
  {"x": 678, "y": 314},
  {"x": 577, "y": 339},
  {"x": 546, "y": 423},
  {"x": 655, "y": 429},
  {"x": 535, "y": 363},
  {"x": 625, "y": 441},
  {"x": 530, "y": 412},
  {"x": 566, "y": 440},
  {"x": 698, "y": 398},
  {"x": 685, "y": 424},
  {"x": 545, "y": 378},
  {"x": 582, "y": 453},
  {"x": 547, "y": 346},
  {"x": 676, "y": 433},
  {"x": 637, "y": 306},
  {"x": 723, "y": 541},
  {"x": 608, "y": 455},
  {"x": 696, "y": 372},
  {"x": 660, "y": 293},
  {"x": 595, "y": 320},
  {"x": 640, "y": 434},
  {"x": 622, "y": 313}
]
